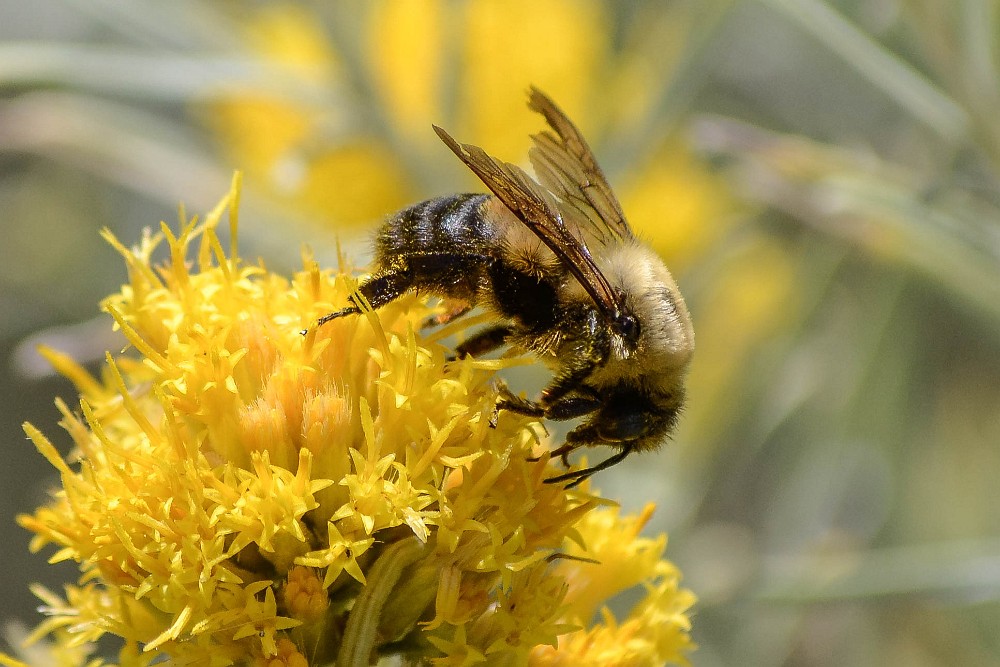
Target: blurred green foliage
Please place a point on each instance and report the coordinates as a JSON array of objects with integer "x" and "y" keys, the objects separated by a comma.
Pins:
[{"x": 823, "y": 176}]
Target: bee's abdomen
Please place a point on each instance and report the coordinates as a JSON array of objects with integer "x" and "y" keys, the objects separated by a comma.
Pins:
[
  {"x": 455, "y": 247},
  {"x": 441, "y": 225},
  {"x": 446, "y": 244}
]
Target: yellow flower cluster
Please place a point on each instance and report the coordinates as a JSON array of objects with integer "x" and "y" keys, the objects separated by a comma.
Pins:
[{"x": 244, "y": 493}]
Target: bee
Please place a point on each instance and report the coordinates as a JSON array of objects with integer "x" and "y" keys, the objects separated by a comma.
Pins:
[{"x": 556, "y": 262}]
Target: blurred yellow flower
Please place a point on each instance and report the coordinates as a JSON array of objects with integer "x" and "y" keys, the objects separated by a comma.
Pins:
[
  {"x": 346, "y": 137},
  {"x": 295, "y": 145},
  {"x": 241, "y": 492}
]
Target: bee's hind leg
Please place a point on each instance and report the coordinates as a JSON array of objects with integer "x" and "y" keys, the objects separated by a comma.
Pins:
[
  {"x": 350, "y": 310},
  {"x": 377, "y": 291}
]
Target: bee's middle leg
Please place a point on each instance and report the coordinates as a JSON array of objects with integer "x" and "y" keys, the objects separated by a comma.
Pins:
[
  {"x": 513, "y": 403},
  {"x": 583, "y": 402}
]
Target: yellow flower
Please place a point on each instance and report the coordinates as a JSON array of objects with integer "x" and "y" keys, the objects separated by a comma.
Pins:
[
  {"x": 243, "y": 493},
  {"x": 295, "y": 145},
  {"x": 656, "y": 630},
  {"x": 344, "y": 133}
]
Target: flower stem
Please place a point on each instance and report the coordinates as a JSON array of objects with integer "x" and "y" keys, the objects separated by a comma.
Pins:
[{"x": 362, "y": 624}]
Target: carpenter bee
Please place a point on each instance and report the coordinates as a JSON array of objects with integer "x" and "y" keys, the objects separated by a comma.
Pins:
[{"x": 557, "y": 263}]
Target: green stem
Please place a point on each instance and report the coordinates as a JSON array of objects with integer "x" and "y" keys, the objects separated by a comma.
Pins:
[
  {"x": 362, "y": 623},
  {"x": 890, "y": 73}
]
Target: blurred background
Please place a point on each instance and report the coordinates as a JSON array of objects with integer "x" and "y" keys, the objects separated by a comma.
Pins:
[{"x": 823, "y": 179}]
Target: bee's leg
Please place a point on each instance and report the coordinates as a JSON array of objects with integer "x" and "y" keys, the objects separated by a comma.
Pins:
[
  {"x": 569, "y": 408},
  {"x": 350, "y": 310},
  {"x": 522, "y": 406},
  {"x": 583, "y": 436},
  {"x": 563, "y": 452},
  {"x": 567, "y": 381},
  {"x": 582, "y": 403},
  {"x": 589, "y": 353},
  {"x": 562, "y": 556},
  {"x": 386, "y": 287},
  {"x": 378, "y": 291},
  {"x": 576, "y": 476},
  {"x": 507, "y": 400},
  {"x": 484, "y": 341}
]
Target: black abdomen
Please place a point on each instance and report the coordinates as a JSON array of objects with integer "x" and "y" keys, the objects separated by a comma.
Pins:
[
  {"x": 448, "y": 225},
  {"x": 451, "y": 247}
]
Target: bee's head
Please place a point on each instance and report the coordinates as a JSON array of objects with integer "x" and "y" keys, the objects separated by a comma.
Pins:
[{"x": 653, "y": 327}]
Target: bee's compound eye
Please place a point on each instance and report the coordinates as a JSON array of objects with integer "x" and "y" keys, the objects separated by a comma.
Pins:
[{"x": 628, "y": 327}]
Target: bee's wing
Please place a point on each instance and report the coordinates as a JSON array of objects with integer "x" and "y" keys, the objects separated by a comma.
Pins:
[
  {"x": 566, "y": 166},
  {"x": 538, "y": 210}
]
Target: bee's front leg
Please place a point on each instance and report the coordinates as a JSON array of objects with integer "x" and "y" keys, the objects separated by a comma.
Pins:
[
  {"x": 587, "y": 435},
  {"x": 563, "y": 451},
  {"x": 574, "y": 477},
  {"x": 582, "y": 436},
  {"x": 567, "y": 408}
]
